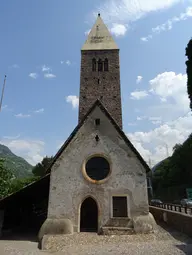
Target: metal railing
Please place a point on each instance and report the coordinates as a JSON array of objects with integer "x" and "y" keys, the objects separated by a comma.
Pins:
[{"x": 175, "y": 208}]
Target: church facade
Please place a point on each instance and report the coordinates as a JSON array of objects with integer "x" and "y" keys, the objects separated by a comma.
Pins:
[{"x": 98, "y": 179}]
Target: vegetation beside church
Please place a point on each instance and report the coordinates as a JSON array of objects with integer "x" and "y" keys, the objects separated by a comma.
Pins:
[
  {"x": 174, "y": 174},
  {"x": 10, "y": 180},
  {"x": 189, "y": 72},
  {"x": 40, "y": 168}
]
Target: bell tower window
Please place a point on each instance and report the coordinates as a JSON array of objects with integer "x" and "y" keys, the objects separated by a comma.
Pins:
[
  {"x": 100, "y": 65},
  {"x": 93, "y": 64},
  {"x": 106, "y": 66}
]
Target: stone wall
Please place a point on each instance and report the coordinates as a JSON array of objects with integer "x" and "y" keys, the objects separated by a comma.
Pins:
[
  {"x": 104, "y": 86},
  {"x": 69, "y": 188},
  {"x": 180, "y": 221}
]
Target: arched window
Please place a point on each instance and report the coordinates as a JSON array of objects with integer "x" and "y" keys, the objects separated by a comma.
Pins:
[
  {"x": 94, "y": 64},
  {"x": 100, "y": 65},
  {"x": 106, "y": 66}
]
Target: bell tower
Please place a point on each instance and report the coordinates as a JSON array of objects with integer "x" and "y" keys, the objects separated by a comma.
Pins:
[{"x": 100, "y": 72}]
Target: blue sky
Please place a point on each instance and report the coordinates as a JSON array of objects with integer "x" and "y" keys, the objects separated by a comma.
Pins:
[{"x": 40, "y": 53}]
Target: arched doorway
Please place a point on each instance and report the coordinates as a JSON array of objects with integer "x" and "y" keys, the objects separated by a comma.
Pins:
[{"x": 89, "y": 216}]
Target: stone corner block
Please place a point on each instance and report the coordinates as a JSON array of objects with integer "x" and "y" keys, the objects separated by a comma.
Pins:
[
  {"x": 144, "y": 224},
  {"x": 55, "y": 227}
]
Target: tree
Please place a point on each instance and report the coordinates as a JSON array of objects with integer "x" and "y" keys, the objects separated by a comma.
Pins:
[
  {"x": 5, "y": 179},
  {"x": 189, "y": 72},
  {"x": 173, "y": 175},
  {"x": 177, "y": 146},
  {"x": 18, "y": 184},
  {"x": 40, "y": 168}
]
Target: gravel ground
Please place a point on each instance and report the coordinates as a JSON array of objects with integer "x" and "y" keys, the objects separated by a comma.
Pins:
[{"x": 162, "y": 242}]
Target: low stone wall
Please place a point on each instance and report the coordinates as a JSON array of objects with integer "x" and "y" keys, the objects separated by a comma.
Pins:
[{"x": 179, "y": 221}]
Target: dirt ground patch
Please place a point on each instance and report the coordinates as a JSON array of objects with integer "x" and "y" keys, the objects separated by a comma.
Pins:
[{"x": 165, "y": 241}]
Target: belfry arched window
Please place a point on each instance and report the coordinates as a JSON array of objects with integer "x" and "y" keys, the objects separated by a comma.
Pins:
[
  {"x": 106, "y": 65},
  {"x": 94, "y": 64},
  {"x": 100, "y": 65}
]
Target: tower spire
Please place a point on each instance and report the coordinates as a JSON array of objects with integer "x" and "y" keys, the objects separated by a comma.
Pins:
[{"x": 99, "y": 37}]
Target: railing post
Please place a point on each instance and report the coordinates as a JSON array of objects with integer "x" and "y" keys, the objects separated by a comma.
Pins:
[{"x": 186, "y": 209}]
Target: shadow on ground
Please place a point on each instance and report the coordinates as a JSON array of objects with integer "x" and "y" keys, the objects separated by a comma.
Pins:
[
  {"x": 186, "y": 245},
  {"x": 20, "y": 237}
]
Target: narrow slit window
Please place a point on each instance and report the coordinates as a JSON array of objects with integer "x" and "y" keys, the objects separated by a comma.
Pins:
[
  {"x": 97, "y": 122},
  {"x": 93, "y": 64},
  {"x": 119, "y": 206},
  {"x": 100, "y": 65},
  {"x": 106, "y": 65}
]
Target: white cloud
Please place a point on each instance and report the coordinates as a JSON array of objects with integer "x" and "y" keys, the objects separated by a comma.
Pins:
[
  {"x": 49, "y": 75},
  {"x": 168, "y": 25},
  {"x": 156, "y": 122},
  {"x": 31, "y": 150},
  {"x": 39, "y": 110},
  {"x": 139, "y": 79},
  {"x": 172, "y": 117},
  {"x": 171, "y": 86},
  {"x": 132, "y": 124},
  {"x": 141, "y": 117},
  {"x": 14, "y": 66},
  {"x": 45, "y": 68},
  {"x": 21, "y": 115},
  {"x": 33, "y": 75},
  {"x": 146, "y": 39},
  {"x": 68, "y": 62},
  {"x": 123, "y": 12},
  {"x": 163, "y": 99},
  {"x": 118, "y": 29},
  {"x": 139, "y": 94},
  {"x": 156, "y": 142},
  {"x": 74, "y": 100},
  {"x": 11, "y": 137}
]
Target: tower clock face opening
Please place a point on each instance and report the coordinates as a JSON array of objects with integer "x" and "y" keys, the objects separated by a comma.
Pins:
[{"x": 97, "y": 168}]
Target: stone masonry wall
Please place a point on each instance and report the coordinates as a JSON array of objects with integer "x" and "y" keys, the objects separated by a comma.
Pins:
[
  {"x": 68, "y": 187},
  {"x": 107, "y": 91}
]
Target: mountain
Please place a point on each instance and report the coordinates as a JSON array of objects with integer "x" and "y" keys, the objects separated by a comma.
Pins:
[{"x": 17, "y": 165}]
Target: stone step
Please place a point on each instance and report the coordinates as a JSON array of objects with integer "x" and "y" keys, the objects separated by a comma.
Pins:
[
  {"x": 117, "y": 231},
  {"x": 119, "y": 222}
]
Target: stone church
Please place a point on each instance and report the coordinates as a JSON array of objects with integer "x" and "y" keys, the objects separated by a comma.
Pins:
[{"x": 98, "y": 179}]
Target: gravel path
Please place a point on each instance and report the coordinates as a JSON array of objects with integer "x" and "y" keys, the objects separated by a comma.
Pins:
[{"x": 162, "y": 242}]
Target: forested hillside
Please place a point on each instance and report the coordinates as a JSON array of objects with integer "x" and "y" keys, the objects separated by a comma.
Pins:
[{"x": 18, "y": 166}]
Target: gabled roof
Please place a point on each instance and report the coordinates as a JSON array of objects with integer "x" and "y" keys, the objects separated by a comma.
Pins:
[
  {"x": 119, "y": 130},
  {"x": 99, "y": 37}
]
